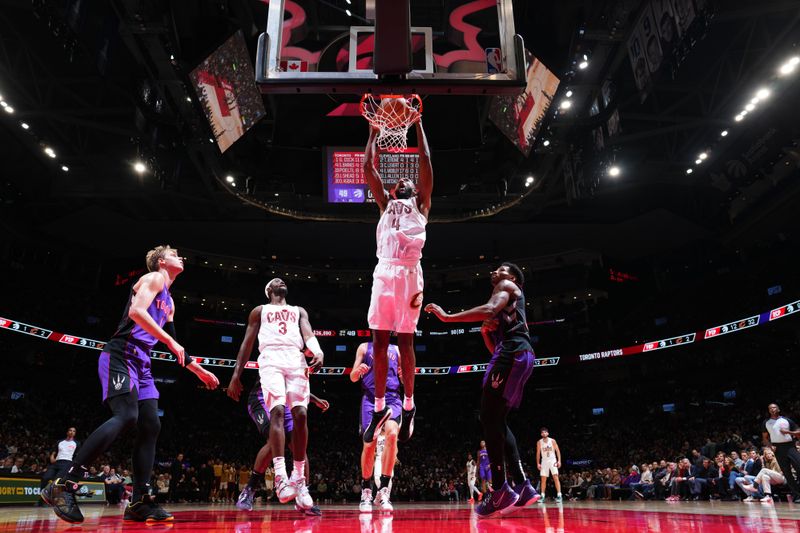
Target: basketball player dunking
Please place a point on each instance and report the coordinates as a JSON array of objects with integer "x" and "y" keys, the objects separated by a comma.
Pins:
[
  {"x": 259, "y": 414},
  {"x": 363, "y": 370},
  {"x": 548, "y": 460},
  {"x": 484, "y": 468},
  {"x": 130, "y": 391},
  {"x": 282, "y": 331},
  {"x": 505, "y": 333},
  {"x": 397, "y": 281}
]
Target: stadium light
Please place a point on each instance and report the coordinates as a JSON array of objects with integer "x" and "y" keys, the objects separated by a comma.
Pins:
[
  {"x": 140, "y": 167},
  {"x": 614, "y": 171}
]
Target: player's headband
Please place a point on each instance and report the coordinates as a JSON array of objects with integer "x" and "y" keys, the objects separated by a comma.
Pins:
[{"x": 266, "y": 289}]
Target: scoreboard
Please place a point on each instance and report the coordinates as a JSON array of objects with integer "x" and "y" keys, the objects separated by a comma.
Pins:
[{"x": 344, "y": 170}]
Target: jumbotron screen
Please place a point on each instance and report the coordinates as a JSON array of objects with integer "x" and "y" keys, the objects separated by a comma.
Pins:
[{"x": 344, "y": 171}]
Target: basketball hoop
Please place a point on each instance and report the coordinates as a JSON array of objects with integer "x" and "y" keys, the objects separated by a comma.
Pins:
[{"x": 392, "y": 114}]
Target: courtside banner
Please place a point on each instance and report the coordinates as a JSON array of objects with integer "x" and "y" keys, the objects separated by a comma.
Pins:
[{"x": 15, "y": 490}]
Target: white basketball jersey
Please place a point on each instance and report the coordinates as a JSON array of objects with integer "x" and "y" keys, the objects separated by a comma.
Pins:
[
  {"x": 280, "y": 342},
  {"x": 547, "y": 449},
  {"x": 471, "y": 470},
  {"x": 401, "y": 231}
]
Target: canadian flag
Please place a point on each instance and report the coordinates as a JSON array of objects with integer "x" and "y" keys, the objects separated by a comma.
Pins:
[{"x": 294, "y": 65}]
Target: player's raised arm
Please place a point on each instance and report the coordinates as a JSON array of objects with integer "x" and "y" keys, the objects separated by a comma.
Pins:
[
  {"x": 245, "y": 349},
  {"x": 311, "y": 341},
  {"x": 425, "y": 183},
  {"x": 499, "y": 299},
  {"x": 371, "y": 174}
]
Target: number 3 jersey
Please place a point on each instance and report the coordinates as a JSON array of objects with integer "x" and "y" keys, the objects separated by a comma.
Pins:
[
  {"x": 280, "y": 342},
  {"x": 401, "y": 231}
]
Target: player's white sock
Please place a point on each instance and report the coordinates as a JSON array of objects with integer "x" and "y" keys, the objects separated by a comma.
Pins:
[
  {"x": 280, "y": 467},
  {"x": 299, "y": 469},
  {"x": 380, "y": 403},
  {"x": 408, "y": 403}
]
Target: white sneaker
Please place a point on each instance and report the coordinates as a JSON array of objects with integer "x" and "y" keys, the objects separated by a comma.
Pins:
[
  {"x": 285, "y": 490},
  {"x": 385, "y": 504},
  {"x": 766, "y": 499},
  {"x": 366, "y": 501},
  {"x": 749, "y": 499},
  {"x": 303, "y": 499}
]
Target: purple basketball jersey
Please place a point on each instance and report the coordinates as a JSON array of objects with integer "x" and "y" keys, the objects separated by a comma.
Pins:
[
  {"x": 130, "y": 331},
  {"x": 392, "y": 378}
]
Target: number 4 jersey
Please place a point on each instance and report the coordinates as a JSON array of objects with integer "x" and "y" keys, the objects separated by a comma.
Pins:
[
  {"x": 401, "y": 231},
  {"x": 397, "y": 282},
  {"x": 280, "y": 342}
]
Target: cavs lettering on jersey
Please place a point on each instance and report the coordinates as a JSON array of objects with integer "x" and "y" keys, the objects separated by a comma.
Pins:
[
  {"x": 548, "y": 453},
  {"x": 401, "y": 231},
  {"x": 280, "y": 342}
]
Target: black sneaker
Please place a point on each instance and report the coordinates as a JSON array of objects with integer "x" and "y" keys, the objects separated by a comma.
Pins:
[
  {"x": 407, "y": 424},
  {"x": 59, "y": 496},
  {"x": 378, "y": 419},
  {"x": 146, "y": 510}
]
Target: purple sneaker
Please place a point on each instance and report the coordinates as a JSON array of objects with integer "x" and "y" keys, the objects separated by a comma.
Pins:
[
  {"x": 527, "y": 495},
  {"x": 501, "y": 501}
]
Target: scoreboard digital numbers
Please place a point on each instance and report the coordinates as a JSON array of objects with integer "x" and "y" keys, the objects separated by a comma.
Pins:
[
  {"x": 27, "y": 329},
  {"x": 732, "y": 327},
  {"x": 345, "y": 172},
  {"x": 784, "y": 311},
  {"x": 668, "y": 343}
]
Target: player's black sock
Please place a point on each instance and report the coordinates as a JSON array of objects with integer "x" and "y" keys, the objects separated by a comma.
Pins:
[
  {"x": 255, "y": 480},
  {"x": 144, "y": 447},
  {"x": 125, "y": 411},
  {"x": 512, "y": 458},
  {"x": 493, "y": 418},
  {"x": 385, "y": 480},
  {"x": 366, "y": 483}
]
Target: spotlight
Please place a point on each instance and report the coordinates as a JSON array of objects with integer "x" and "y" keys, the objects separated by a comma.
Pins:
[
  {"x": 233, "y": 184},
  {"x": 3, "y": 103},
  {"x": 348, "y": 1},
  {"x": 703, "y": 156},
  {"x": 583, "y": 64},
  {"x": 762, "y": 93},
  {"x": 724, "y": 133},
  {"x": 566, "y": 104},
  {"x": 738, "y": 118},
  {"x": 569, "y": 93},
  {"x": 65, "y": 168},
  {"x": 755, "y": 100},
  {"x": 24, "y": 125},
  {"x": 789, "y": 66},
  {"x": 348, "y": 12},
  {"x": 49, "y": 151},
  {"x": 189, "y": 99},
  {"x": 546, "y": 142},
  {"x": 229, "y": 178},
  {"x": 211, "y": 140},
  {"x": 750, "y": 107},
  {"x": 698, "y": 161},
  {"x": 614, "y": 171},
  {"x": 9, "y": 109},
  {"x": 689, "y": 170},
  {"x": 140, "y": 167}
]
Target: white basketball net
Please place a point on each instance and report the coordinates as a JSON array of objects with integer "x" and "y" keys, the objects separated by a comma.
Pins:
[{"x": 393, "y": 126}]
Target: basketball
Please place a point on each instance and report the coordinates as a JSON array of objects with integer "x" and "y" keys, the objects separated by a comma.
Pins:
[{"x": 395, "y": 111}]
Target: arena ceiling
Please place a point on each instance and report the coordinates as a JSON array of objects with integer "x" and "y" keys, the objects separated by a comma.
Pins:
[{"x": 96, "y": 83}]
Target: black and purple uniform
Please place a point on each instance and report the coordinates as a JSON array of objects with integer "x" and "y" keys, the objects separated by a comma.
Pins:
[
  {"x": 257, "y": 408},
  {"x": 124, "y": 364},
  {"x": 513, "y": 359},
  {"x": 392, "y": 396},
  {"x": 484, "y": 468}
]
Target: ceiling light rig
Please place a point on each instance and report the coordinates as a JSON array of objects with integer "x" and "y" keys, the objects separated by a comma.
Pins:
[{"x": 762, "y": 94}]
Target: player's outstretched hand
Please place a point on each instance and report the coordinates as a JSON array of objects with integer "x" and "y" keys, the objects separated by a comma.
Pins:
[
  {"x": 209, "y": 380},
  {"x": 436, "y": 310},
  {"x": 177, "y": 349},
  {"x": 415, "y": 117},
  {"x": 234, "y": 388},
  {"x": 322, "y": 404}
]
